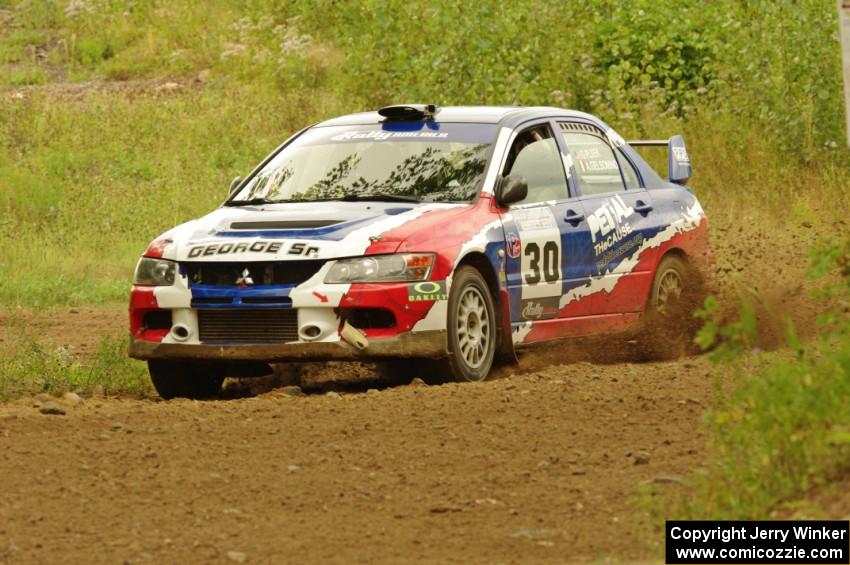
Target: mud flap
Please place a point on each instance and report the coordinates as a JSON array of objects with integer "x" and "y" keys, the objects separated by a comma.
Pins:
[{"x": 505, "y": 351}]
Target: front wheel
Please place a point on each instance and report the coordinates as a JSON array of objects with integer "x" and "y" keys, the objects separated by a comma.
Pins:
[
  {"x": 180, "y": 379},
  {"x": 471, "y": 326}
]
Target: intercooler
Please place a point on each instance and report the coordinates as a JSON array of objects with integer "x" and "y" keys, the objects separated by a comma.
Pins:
[{"x": 249, "y": 325}]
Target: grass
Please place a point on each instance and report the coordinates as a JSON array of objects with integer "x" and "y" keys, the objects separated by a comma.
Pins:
[
  {"x": 97, "y": 157},
  {"x": 89, "y": 175},
  {"x": 779, "y": 430},
  {"x": 36, "y": 368},
  {"x": 77, "y": 211}
]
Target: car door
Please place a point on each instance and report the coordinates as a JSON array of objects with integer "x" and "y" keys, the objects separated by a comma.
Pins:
[
  {"x": 542, "y": 234},
  {"x": 620, "y": 219}
]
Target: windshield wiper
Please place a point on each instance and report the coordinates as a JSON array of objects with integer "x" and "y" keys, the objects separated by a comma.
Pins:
[
  {"x": 253, "y": 202},
  {"x": 377, "y": 198},
  {"x": 346, "y": 198}
]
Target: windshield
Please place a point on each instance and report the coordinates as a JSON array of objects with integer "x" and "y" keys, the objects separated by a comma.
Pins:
[{"x": 422, "y": 161}]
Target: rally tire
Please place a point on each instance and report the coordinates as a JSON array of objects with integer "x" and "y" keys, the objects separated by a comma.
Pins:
[
  {"x": 178, "y": 379},
  {"x": 471, "y": 327},
  {"x": 670, "y": 325}
]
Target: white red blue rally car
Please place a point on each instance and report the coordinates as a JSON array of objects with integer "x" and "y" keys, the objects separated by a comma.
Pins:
[{"x": 456, "y": 233}]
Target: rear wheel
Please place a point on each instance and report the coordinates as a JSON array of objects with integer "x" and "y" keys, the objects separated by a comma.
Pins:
[
  {"x": 182, "y": 379},
  {"x": 671, "y": 326},
  {"x": 471, "y": 326},
  {"x": 668, "y": 287}
]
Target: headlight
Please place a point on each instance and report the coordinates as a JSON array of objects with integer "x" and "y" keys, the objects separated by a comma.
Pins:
[
  {"x": 155, "y": 272},
  {"x": 403, "y": 267}
]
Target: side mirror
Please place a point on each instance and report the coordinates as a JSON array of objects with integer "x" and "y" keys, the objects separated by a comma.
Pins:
[
  {"x": 678, "y": 163},
  {"x": 234, "y": 184},
  {"x": 511, "y": 189}
]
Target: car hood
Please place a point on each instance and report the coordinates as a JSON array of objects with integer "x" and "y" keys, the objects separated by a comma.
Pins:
[{"x": 302, "y": 230}]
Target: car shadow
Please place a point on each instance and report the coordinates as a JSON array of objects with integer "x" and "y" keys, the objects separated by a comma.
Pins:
[
  {"x": 340, "y": 377},
  {"x": 315, "y": 379}
]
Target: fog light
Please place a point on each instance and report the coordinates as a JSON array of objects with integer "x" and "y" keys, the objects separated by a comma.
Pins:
[
  {"x": 181, "y": 332},
  {"x": 310, "y": 332}
]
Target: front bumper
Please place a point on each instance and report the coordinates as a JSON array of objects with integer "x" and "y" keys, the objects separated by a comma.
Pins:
[{"x": 421, "y": 344}]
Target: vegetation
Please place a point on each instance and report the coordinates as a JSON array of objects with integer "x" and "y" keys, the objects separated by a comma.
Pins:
[
  {"x": 122, "y": 118},
  {"x": 35, "y": 368},
  {"x": 782, "y": 427},
  {"x": 187, "y": 95}
]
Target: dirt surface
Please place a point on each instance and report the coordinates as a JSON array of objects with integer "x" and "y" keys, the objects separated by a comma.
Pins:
[
  {"x": 540, "y": 464},
  {"x": 536, "y": 467},
  {"x": 78, "y": 330}
]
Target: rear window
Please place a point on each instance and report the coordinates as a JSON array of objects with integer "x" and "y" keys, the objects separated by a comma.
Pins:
[
  {"x": 629, "y": 173},
  {"x": 594, "y": 162}
]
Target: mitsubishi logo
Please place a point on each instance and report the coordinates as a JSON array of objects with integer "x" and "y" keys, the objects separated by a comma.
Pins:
[{"x": 245, "y": 279}]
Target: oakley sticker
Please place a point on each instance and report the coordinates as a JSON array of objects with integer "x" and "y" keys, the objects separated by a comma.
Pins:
[{"x": 427, "y": 290}]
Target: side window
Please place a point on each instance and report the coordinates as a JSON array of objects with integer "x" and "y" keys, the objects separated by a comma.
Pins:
[
  {"x": 594, "y": 161},
  {"x": 535, "y": 157},
  {"x": 629, "y": 172}
]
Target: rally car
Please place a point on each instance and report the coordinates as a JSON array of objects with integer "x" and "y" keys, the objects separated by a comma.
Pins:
[{"x": 454, "y": 233}]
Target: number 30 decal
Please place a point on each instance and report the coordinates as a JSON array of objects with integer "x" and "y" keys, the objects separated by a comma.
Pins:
[{"x": 549, "y": 259}]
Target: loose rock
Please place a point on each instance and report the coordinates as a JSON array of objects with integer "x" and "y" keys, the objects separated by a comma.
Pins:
[
  {"x": 668, "y": 479},
  {"x": 43, "y": 397},
  {"x": 52, "y": 408},
  {"x": 237, "y": 556},
  {"x": 168, "y": 87},
  {"x": 534, "y": 533},
  {"x": 72, "y": 398},
  {"x": 293, "y": 390},
  {"x": 641, "y": 458}
]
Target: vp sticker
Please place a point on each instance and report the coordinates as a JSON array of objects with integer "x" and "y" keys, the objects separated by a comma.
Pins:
[
  {"x": 427, "y": 290},
  {"x": 514, "y": 245}
]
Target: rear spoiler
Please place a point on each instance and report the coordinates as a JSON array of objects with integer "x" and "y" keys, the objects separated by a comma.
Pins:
[{"x": 678, "y": 163}]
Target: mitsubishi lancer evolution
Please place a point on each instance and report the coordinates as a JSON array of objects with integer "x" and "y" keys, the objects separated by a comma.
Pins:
[{"x": 454, "y": 233}]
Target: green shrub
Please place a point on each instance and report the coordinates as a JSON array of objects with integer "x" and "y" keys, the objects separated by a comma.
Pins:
[
  {"x": 37, "y": 368},
  {"x": 755, "y": 88},
  {"x": 782, "y": 426},
  {"x": 648, "y": 49},
  {"x": 27, "y": 77},
  {"x": 91, "y": 51}
]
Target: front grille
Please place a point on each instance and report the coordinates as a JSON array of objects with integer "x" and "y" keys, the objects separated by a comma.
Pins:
[
  {"x": 227, "y": 325},
  {"x": 261, "y": 273},
  {"x": 211, "y": 300},
  {"x": 266, "y": 300}
]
